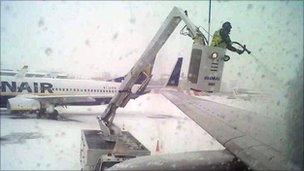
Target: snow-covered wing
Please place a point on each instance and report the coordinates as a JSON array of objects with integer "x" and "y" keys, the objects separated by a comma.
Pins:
[
  {"x": 63, "y": 99},
  {"x": 252, "y": 139},
  {"x": 194, "y": 160}
]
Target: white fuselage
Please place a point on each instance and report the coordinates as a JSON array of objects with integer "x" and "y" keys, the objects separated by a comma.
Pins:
[{"x": 12, "y": 86}]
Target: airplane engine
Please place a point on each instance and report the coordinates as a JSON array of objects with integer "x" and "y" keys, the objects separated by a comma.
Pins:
[
  {"x": 50, "y": 109},
  {"x": 19, "y": 104}
]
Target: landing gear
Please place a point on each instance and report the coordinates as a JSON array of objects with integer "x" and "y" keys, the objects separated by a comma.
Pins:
[
  {"x": 38, "y": 115},
  {"x": 53, "y": 115},
  {"x": 42, "y": 112}
]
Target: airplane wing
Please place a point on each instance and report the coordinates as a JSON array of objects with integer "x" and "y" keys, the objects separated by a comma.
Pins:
[
  {"x": 254, "y": 140},
  {"x": 61, "y": 99}
]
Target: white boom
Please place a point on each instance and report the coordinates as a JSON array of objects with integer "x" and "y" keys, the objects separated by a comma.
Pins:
[{"x": 144, "y": 67}]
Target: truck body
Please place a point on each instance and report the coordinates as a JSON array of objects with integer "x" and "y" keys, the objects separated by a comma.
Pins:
[{"x": 95, "y": 151}]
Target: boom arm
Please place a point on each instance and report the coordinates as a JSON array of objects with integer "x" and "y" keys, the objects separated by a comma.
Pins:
[{"x": 144, "y": 66}]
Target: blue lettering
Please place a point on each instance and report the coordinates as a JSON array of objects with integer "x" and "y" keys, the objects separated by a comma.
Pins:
[
  {"x": 46, "y": 86},
  {"x": 5, "y": 86},
  {"x": 211, "y": 78},
  {"x": 24, "y": 86},
  {"x": 12, "y": 87}
]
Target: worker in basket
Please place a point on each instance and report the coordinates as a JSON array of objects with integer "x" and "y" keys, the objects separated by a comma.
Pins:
[{"x": 221, "y": 39}]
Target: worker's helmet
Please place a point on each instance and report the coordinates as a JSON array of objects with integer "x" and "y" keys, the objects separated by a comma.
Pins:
[{"x": 226, "y": 25}]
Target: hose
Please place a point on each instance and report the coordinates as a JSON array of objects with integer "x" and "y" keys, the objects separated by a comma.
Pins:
[{"x": 243, "y": 46}]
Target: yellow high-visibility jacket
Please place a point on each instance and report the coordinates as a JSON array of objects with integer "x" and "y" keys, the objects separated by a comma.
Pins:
[{"x": 218, "y": 41}]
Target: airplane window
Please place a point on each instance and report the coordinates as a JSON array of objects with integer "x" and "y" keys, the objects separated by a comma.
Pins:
[
  {"x": 59, "y": 89},
  {"x": 74, "y": 89},
  {"x": 81, "y": 90},
  {"x": 71, "y": 89},
  {"x": 85, "y": 89}
]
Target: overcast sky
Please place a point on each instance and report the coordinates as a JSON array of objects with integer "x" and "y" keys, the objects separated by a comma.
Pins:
[{"x": 87, "y": 38}]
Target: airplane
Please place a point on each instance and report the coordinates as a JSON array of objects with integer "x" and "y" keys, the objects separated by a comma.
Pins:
[
  {"x": 252, "y": 141},
  {"x": 42, "y": 95},
  {"x": 23, "y": 72}
]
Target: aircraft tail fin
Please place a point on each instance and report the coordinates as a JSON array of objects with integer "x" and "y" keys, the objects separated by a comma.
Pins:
[
  {"x": 175, "y": 74},
  {"x": 173, "y": 80},
  {"x": 118, "y": 79},
  {"x": 140, "y": 80},
  {"x": 22, "y": 72}
]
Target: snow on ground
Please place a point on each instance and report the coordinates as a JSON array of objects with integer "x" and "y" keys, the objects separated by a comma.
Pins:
[
  {"x": 38, "y": 144},
  {"x": 163, "y": 121},
  {"x": 56, "y": 145}
]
